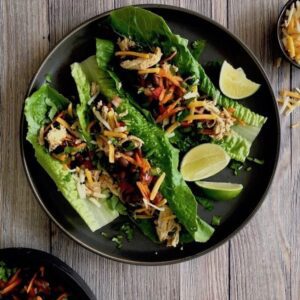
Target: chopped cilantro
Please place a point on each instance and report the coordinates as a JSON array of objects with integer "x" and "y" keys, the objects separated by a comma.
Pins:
[
  {"x": 5, "y": 272},
  {"x": 182, "y": 115},
  {"x": 216, "y": 220},
  {"x": 115, "y": 204},
  {"x": 205, "y": 203},
  {"x": 118, "y": 240},
  {"x": 236, "y": 166},
  {"x": 127, "y": 230}
]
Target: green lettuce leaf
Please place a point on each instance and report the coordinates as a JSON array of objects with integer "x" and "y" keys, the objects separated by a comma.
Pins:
[
  {"x": 197, "y": 48},
  {"x": 150, "y": 29},
  {"x": 37, "y": 108},
  {"x": 163, "y": 155}
]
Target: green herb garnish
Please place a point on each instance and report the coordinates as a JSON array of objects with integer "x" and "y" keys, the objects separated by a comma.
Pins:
[
  {"x": 127, "y": 230},
  {"x": 118, "y": 240},
  {"x": 205, "y": 203},
  {"x": 236, "y": 166},
  {"x": 216, "y": 220}
]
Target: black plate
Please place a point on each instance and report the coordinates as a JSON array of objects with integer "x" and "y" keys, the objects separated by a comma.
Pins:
[
  {"x": 55, "y": 268},
  {"x": 221, "y": 44}
]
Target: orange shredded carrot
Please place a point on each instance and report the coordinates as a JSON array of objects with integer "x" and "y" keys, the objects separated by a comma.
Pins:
[
  {"x": 162, "y": 95},
  {"x": 128, "y": 158},
  {"x": 31, "y": 283},
  {"x": 174, "y": 79},
  {"x": 168, "y": 114},
  {"x": 62, "y": 296},
  {"x": 14, "y": 277},
  {"x": 168, "y": 96},
  {"x": 144, "y": 189},
  {"x": 10, "y": 287}
]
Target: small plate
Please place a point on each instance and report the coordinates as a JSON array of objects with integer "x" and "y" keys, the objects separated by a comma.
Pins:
[
  {"x": 221, "y": 44},
  {"x": 55, "y": 268}
]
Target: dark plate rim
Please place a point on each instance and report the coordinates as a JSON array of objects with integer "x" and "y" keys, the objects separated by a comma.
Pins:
[
  {"x": 278, "y": 33},
  {"x": 56, "y": 262},
  {"x": 243, "y": 223}
]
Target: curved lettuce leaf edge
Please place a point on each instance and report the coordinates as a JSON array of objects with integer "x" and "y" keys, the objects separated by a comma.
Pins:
[{"x": 37, "y": 108}]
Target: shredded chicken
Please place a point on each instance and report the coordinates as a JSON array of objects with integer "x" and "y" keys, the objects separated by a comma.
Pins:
[
  {"x": 167, "y": 228},
  {"x": 56, "y": 136},
  {"x": 125, "y": 44},
  {"x": 223, "y": 125},
  {"x": 143, "y": 63}
]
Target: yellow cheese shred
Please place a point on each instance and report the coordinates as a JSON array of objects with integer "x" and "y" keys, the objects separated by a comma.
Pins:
[
  {"x": 157, "y": 185},
  {"x": 132, "y": 53}
]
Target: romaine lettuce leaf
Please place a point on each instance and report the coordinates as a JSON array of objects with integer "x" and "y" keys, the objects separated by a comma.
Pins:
[
  {"x": 164, "y": 156},
  {"x": 150, "y": 29},
  {"x": 37, "y": 108}
]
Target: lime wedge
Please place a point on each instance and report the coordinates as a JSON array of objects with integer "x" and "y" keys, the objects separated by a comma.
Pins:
[
  {"x": 220, "y": 190},
  {"x": 203, "y": 161},
  {"x": 234, "y": 83}
]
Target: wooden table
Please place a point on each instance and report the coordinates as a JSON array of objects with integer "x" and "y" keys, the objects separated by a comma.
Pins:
[{"x": 261, "y": 262}]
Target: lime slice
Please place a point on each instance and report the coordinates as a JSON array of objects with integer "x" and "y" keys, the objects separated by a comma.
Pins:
[
  {"x": 220, "y": 190},
  {"x": 234, "y": 83},
  {"x": 203, "y": 161}
]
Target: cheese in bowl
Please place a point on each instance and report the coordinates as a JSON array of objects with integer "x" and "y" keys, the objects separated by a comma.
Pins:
[{"x": 291, "y": 32}]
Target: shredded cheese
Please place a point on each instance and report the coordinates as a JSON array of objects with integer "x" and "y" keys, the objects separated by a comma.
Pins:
[
  {"x": 201, "y": 117},
  {"x": 121, "y": 135},
  {"x": 132, "y": 53},
  {"x": 196, "y": 103},
  {"x": 111, "y": 153},
  {"x": 172, "y": 127},
  {"x": 63, "y": 122},
  {"x": 89, "y": 178},
  {"x": 150, "y": 70},
  {"x": 157, "y": 185}
]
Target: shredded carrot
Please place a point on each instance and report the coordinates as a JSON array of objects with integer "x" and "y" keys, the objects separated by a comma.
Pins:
[
  {"x": 114, "y": 134},
  {"x": 132, "y": 53},
  {"x": 31, "y": 283},
  {"x": 168, "y": 96},
  {"x": 10, "y": 287},
  {"x": 144, "y": 189},
  {"x": 14, "y": 277},
  {"x": 174, "y": 79},
  {"x": 150, "y": 70},
  {"x": 128, "y": 158},
  {"x": 142, "y": 163},
  {"x": 162, "y": 95},
  {"x": 62, "y": 296},
  {"x": 201, "y": 117},
  {"x": 168, "y": 114}
]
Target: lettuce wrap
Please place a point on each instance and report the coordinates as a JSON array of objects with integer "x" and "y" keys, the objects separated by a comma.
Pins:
[
  {"x": 156, "y": 145},
  {"x": 40, "y": 109},
  {"x": 149, "y": 30}
]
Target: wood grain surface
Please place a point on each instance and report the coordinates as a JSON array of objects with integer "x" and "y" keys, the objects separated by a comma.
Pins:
[{"x": 261, "y": 262}]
